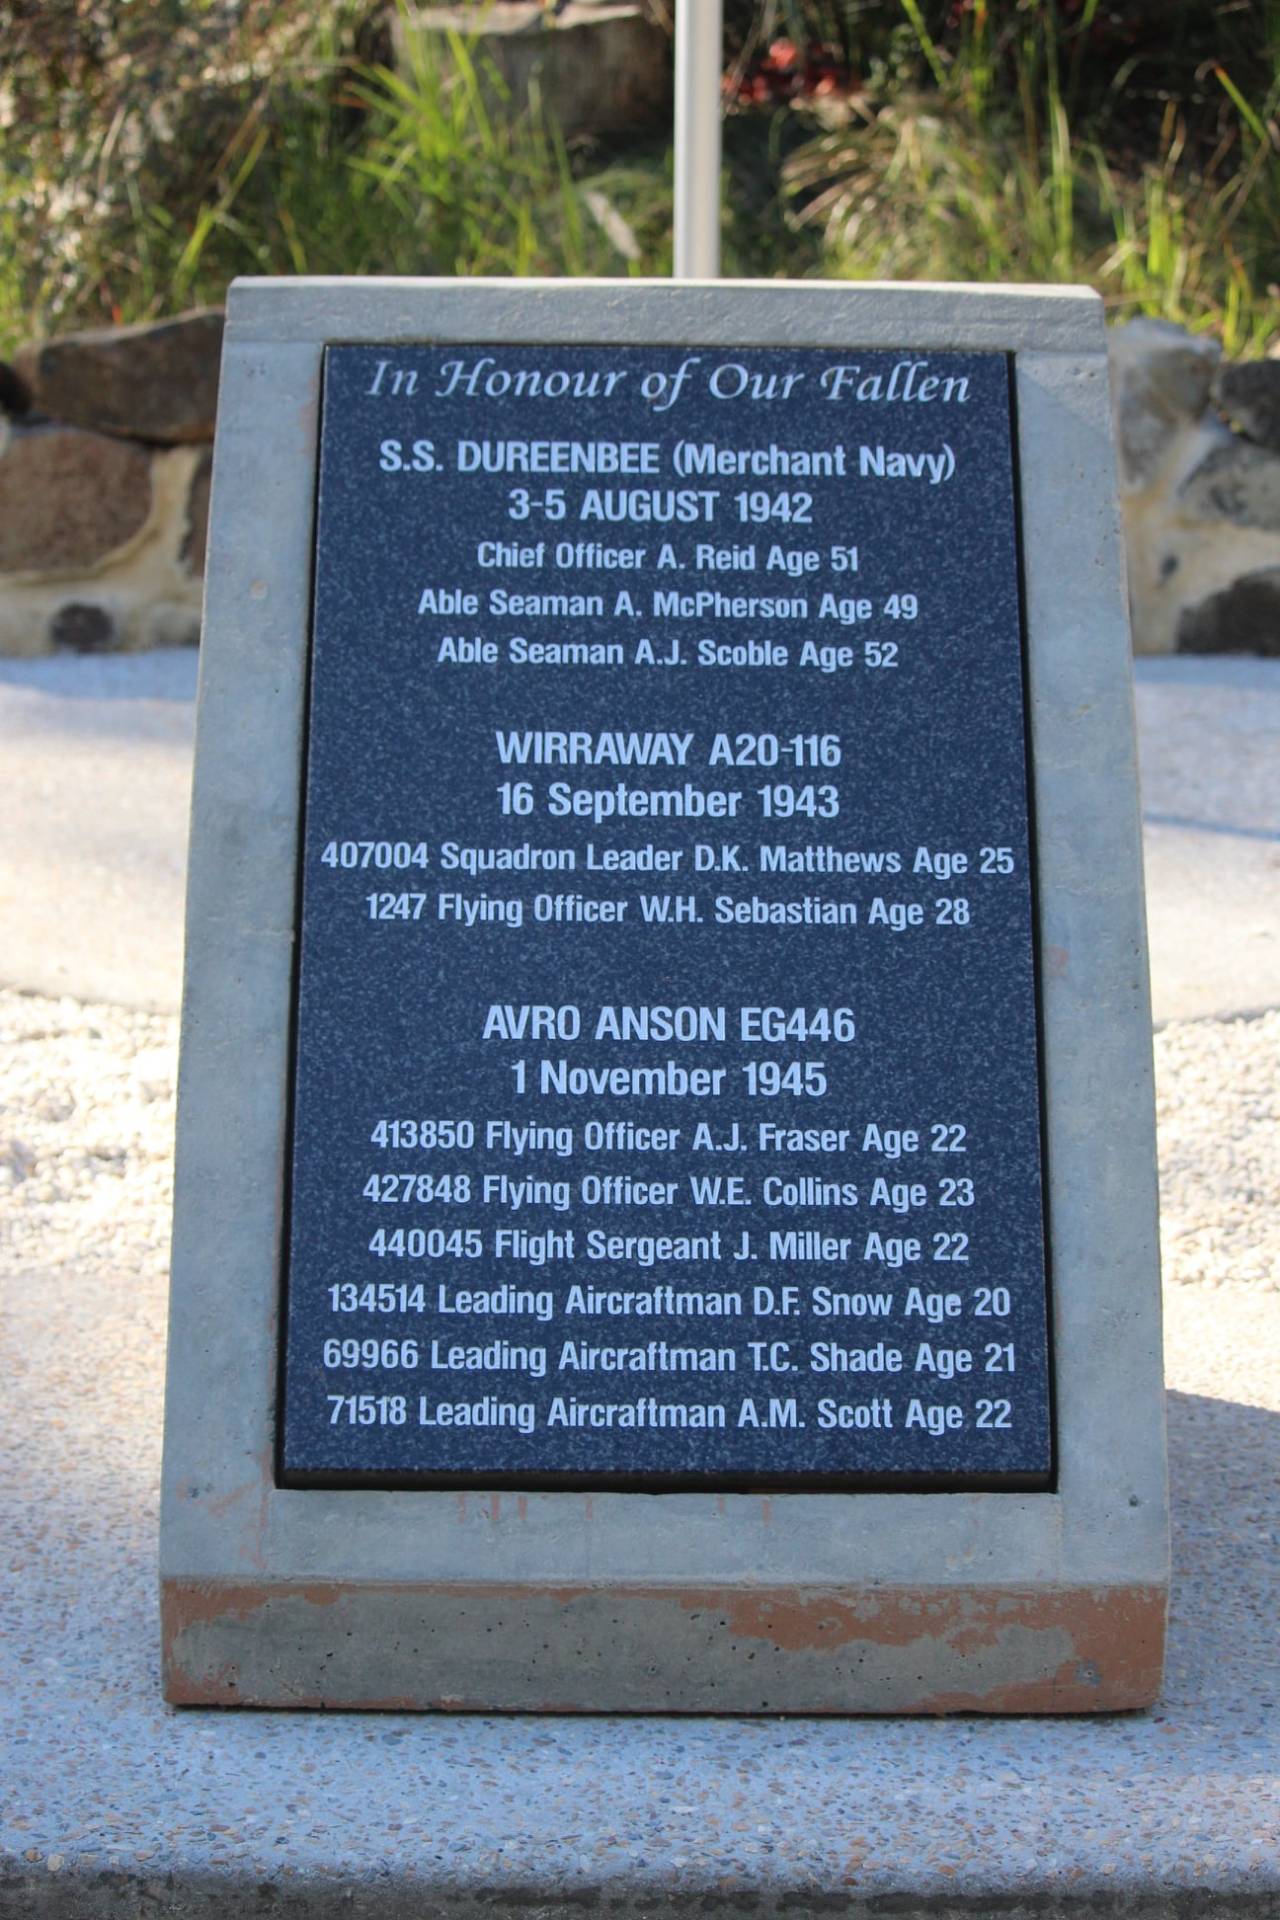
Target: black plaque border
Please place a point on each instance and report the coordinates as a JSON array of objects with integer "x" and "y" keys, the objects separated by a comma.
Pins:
[
  {"x": 659, "y": 1483},
  {"x": 1037, "y": 958}
]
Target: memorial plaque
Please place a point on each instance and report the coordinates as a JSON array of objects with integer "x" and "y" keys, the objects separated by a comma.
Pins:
[
  {"x": 667, "y": 1102},
  {"x": 665, "y": 1197}
]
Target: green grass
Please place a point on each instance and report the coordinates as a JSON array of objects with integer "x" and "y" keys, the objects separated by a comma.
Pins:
[
  {"x": 981, "y": 164},
  {"x": 997, "y": 140},
  {"x": 322, "y": 165}
]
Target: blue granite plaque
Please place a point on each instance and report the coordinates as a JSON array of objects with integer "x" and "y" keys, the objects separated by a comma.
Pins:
[{"x": 667, "y": 1106}]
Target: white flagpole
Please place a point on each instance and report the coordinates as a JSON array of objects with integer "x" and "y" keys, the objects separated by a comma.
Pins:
[{"x": 699, "y": 58}]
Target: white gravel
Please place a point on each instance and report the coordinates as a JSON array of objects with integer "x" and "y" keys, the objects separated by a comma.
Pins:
[
  {"x": 1218, "y": 1113},
  {"x": 86, "y": 1136}
]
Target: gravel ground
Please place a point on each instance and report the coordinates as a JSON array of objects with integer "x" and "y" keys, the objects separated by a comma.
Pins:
[
  {"x": 86, "y": 1137},
  {"x": 86, "y": 1133},
  {"x": 1218, "y": 1113}
]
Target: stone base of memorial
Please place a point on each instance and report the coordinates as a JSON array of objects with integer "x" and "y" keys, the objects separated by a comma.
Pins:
[{"x": 665, "y": 1212}]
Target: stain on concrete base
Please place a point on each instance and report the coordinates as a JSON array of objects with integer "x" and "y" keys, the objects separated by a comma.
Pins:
[{"x": 481, "y": 1648}]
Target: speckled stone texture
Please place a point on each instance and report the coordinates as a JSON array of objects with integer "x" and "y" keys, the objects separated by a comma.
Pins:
[
  {"x": 114, "y": 1804},
  {"x": 395, "y": 734}
]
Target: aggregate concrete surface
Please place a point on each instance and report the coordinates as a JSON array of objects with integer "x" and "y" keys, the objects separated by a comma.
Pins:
[
  {"x": 112, "y": 1803},
  {"x": 1209, "y": 751},
  {"x": 95, "y": 790}
]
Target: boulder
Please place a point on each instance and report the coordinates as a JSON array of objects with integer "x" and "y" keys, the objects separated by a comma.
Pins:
[
  {"x": 1161, "y": 376},
  {"x": 15, "y": 395},
  {"x": 599, "y": 65},
  {"x": 1235, "y": 482},
  {"x": 99, "y": 541},
  {"x": 69, "y": 499},
  {"x": 153, "y": 382},
  {"x": 1247, "y": 394},
  {"x": 197, "y": 517},
  {"x": 1243, "y": 618},
  {"x": 83, "y": 627}
]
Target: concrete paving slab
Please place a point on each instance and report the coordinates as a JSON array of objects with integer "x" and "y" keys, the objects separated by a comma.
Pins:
[
  {"x": 1209, "y": 749},
  {"x": 95, "y": 787},
  {"x": 95, "y": 773}
]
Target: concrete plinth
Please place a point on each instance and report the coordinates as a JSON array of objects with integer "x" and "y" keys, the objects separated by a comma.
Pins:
[{"x": 695, "y": 1602}]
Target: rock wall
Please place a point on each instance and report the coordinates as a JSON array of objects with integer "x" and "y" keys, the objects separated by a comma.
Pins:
[
  {"x": 104, "y": 489},
  {"x": 1199, "y": 451},
  {"x": 599, "y": 66}
]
